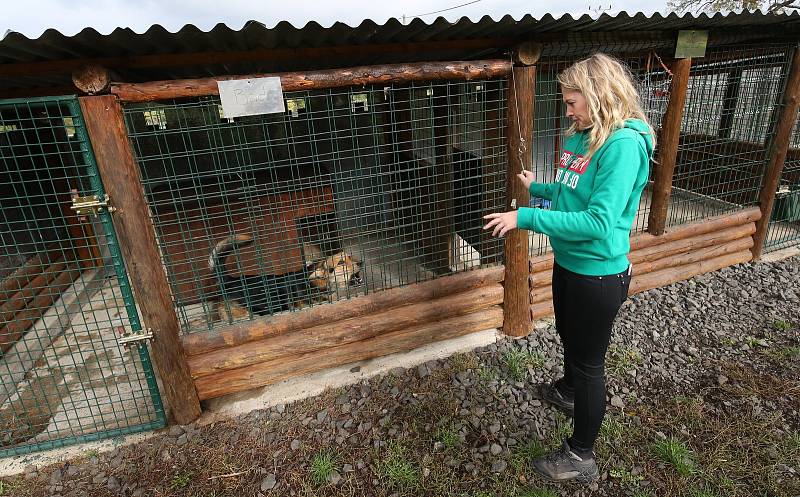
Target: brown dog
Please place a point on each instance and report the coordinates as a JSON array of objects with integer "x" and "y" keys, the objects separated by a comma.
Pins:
[{"x": 322, "y": 280}]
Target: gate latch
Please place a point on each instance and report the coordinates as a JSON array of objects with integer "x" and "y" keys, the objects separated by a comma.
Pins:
[
  {"x": 91, "y": 205},
  {"x": 134, "y": 338}
]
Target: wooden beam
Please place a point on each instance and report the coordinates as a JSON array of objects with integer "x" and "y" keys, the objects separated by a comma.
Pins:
[
  {"x": 441, "y": 214},
  {"x": 778, "y": 149},
  {"x": 729, "y": 102},
  {"x": 315, "y": 80},
  {"x": 266, "y": 373},
  {"x": 708, "y": 225},
  {"x": 201, "y": 343},
  {"x": 516, "y": 302},
  {"x": 239, "y": 56},
  {"x": 121, "y": 178},
  {"x": 39, "y": 91},
  {"x": 325, "y": 336},
  {"x": 527, "y": 53},
  {"x": 492, "y": 171},
  {"x": 92, "y": 79},
  {"x": 668, "y": 148}
]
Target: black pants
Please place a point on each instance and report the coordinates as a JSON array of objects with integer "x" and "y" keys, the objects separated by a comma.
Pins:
[{"x": 585, "y": 308}]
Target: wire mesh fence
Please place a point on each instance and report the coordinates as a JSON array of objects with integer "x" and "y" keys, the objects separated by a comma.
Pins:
[
  {"x": 350, "y": 191},
  {"x": 784, "y": 226},
  {"x": 653, "y": 82},
  {"x": 64, "y": 298},
  {"x": 731, "y": 108}
]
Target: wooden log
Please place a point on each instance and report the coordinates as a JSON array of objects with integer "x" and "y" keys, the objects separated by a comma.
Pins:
[
  {"x": 492, "y": 171},
  {"x": 137, "y": 241},
  {"x": 541, "y": 294},
  {"x": 671, "y": 275},
  {"x": 695, "y": 255},
  {"x": 258, "y": 55},
  {"x": 442, "y": 217},
  {"x": 400, "y": 341},
  {"x": 645, "y": 259},
  {"x": 22, "y": 276},
  {"x": 707, "y": 225},
  {"x": 201, "y": 343},
  {"x": 663, "y": 277},
  {"x": 20, "y": 300},
  {"x": 521, "y": 91},
  {"x": 527, "y": 53},
  {"x": 668, "y": 148},
  {"x": 541, "y": 263},
  {"x": 317, "y": 80},
  {"x": 93, "y": 79},
  {"x": 14, "y": 330},
  {"x": 325, "y": 336},
  {"x": 542, "y": 309},
  {"x": 663, "y": 250},
  {"x": 778, "y": 148}
]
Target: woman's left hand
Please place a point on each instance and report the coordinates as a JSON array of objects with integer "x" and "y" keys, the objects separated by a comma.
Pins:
[{"x": 502, "y": 222}]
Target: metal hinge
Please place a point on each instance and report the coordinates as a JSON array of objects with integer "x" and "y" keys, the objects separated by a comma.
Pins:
[
  {"x": 134, "y": 338},
  {"x": 91, "y": 205}
]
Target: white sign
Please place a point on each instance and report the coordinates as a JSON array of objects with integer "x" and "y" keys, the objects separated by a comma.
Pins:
[{"x": 250, "y": 97}]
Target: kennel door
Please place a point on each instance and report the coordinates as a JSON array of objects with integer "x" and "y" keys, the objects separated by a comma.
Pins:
[{"x": 65, "y": 301}]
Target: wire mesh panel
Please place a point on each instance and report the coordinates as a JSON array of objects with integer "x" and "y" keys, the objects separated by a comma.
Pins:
[
  {"x": 64, "y": 295},
  {"x": 349, "y": 191},
  {"x": 784, "y": 225},
  {"x": 727, "y": 121},
  {"x": 550, "y": 123}
]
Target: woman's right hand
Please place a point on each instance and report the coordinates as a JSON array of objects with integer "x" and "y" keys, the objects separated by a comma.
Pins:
[{"x": 526, "y": 177}]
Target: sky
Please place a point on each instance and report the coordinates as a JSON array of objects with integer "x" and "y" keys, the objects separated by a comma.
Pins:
[{"x": 32, "y": 17}]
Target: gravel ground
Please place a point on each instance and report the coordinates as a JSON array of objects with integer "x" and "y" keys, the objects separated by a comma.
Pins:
[{"x": 703, "y": 393}]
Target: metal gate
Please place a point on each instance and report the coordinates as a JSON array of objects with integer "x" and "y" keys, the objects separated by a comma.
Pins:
[{"x": 65, "y": 302}]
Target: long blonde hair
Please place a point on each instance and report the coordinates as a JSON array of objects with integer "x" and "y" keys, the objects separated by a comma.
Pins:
[{"x": 611, "y": 96}]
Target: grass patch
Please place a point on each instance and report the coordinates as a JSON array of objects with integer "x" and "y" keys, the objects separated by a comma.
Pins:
[
  {"x": 625, "y": 476},
  {"x": 622, "y": 359},
  {"x": 322, "y": 467},
  {"x": 676, "y": 453},
  {"x": 518, "y": 361},
  {"x": 781, "y": 325},
  {"x": 448, "y": 436},
  {"x": 486, "y": 374},
  {"x": 464, "y": 361},
  {"x": 398, "y": 469},
  {"x": 180, "y": 481},
  {"x": 523, "y": 454}
]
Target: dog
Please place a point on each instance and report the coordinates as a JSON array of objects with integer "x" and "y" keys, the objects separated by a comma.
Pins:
[{"x": 321, "y": 279}]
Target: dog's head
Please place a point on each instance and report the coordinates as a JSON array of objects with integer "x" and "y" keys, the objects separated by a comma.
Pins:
[{"x": 336, "y": 274}]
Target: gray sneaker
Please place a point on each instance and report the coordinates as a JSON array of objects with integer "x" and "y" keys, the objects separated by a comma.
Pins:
[
  {"x": 563, "y": 465},
  {"x": 550, "y": 393}
]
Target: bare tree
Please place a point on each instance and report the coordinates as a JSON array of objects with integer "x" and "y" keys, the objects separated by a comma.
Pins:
[{"x": 710, "y": 6}]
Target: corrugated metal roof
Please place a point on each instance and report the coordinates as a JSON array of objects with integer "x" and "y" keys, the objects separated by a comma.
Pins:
[{"x": 52, "y": 45}]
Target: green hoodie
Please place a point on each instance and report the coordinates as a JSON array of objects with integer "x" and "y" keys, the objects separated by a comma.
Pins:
[{"x": 593, "y": 204}]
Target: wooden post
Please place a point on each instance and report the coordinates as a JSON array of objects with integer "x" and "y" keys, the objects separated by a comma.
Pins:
[
  {"x": 668, "y": 148},
  {"x": 516, "y": 301},
  {"x": 777, "y": 151},
  {"x": 442, "y": 212},
  {"x": 120, "y": 175},
  {"x": 729, "y": 103},
  {"x": 491, "y": 170}
]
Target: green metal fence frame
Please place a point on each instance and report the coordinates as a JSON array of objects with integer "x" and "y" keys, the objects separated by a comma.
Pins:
[{"x": 120, "y": 272}]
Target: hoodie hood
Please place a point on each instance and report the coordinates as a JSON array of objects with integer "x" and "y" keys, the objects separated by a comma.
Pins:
[{"x": 644, "y": 131}]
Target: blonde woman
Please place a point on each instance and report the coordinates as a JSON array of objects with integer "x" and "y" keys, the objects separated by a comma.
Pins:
[{"x": 594, "y": 199}]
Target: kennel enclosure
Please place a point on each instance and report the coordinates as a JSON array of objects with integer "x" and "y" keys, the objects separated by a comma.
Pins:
[{"x": 374, "y": 181}]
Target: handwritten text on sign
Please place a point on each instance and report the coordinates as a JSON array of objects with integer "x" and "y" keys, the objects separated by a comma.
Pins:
[{"x": 250, "y": 97}]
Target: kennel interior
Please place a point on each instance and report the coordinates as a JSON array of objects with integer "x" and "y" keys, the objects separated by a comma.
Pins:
[
  {"x": 64, "y": 300},
  {"x": 396, "y": 176}
]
